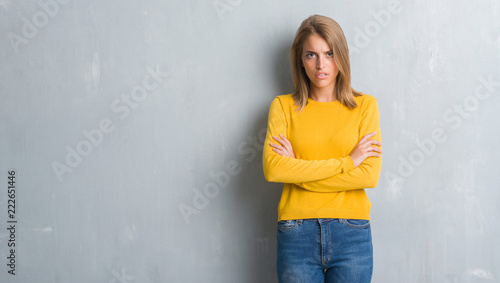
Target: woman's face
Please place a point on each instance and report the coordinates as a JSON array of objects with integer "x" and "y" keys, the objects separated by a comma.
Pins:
[{"x": 317, "y": 59}]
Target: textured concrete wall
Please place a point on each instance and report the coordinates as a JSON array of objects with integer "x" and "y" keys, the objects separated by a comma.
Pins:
[{"x": 132, "y": 134}]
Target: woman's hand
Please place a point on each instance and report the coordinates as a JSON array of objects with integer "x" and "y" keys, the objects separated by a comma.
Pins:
[
  {"x": 285, "y": 149},
  {"x": 365, "y": 149}
]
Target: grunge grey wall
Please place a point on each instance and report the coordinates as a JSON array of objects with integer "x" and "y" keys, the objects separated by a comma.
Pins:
[{"x": 132, "y": 135}]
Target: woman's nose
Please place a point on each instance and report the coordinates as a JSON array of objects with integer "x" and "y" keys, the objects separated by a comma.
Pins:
[{"x": 320, "y": 62}]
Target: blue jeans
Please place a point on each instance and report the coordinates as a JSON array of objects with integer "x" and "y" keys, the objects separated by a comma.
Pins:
[{"x": 324, "y": 250}]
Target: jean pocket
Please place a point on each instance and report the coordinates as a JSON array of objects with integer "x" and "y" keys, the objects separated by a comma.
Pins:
[
  {"x": 287, "y": 225},
  {"x": 357, "y": 223}
]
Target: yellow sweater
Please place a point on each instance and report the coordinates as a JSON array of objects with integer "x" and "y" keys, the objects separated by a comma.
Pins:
[{"x": 321, "y": 182}]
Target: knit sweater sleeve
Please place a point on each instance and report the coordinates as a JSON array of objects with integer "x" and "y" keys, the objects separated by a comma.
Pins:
[
  {"x": 284, "y": 169},
  {"x": 367, "y": 174}
]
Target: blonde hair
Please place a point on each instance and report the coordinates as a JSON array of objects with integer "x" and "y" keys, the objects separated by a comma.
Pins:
[{"x": 332, "y": 33}]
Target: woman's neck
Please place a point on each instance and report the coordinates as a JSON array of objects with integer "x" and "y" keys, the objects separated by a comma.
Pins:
[{"x": 322, "y": 95}]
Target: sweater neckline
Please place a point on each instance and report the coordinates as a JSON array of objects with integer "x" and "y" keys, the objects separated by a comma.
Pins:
[{"x": 310, "y": 100}]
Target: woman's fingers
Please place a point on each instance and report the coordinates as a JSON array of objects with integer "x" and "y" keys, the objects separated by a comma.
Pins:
[
  {"x": 377, "y": 149},
  {"x": 372, "y": 142},
  {"x": 283, "y": 141},
  {"x": 279, "y": 151},
  {"x": 278, "y": 139},
  {"x": 275, "y": 146},
  {"x": 365, "y": 141},
  {"x": 373, "y": 154},
  {"x": 366, "y": 137},
  {"x": 365, "y": 148},
  {"x": 287, "y": 142},
  {"x": 369, "y": 146},
  {"x": 285, "y": 147}
]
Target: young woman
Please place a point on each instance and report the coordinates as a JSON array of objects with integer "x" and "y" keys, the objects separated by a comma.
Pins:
[{"x": 323, "y": 142}]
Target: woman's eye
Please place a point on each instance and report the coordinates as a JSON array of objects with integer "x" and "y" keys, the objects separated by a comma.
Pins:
[
  {"x": 330, "y": 54},
  {"x": 309, "y": 55}
]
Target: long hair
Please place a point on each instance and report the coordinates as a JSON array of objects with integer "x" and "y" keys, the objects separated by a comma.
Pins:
[{"x": 332, "y": 33}]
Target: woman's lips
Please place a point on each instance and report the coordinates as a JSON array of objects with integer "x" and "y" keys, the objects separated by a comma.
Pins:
[{"x": 321, "y": 76}]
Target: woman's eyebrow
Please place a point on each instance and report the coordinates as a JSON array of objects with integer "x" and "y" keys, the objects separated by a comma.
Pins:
[{"x": 308, "y": 51}]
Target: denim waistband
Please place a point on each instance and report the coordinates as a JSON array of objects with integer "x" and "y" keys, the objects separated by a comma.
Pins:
[{"x": 320, "y": 219}]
